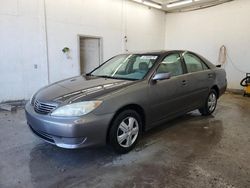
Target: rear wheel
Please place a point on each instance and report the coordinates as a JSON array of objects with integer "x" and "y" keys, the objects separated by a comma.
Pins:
[
  {"x": 210, "y": 104},
  {"x": 125, "y": 131}
]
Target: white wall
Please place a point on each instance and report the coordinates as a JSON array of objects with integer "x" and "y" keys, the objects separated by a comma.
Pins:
[
  {"x": 204, "y": 31},
  {"x": 22, "y": 45},
  {"x": 23, "y": 37}
]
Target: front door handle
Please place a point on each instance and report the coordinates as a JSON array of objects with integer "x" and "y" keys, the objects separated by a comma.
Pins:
[{"x": 184, "y": 82}]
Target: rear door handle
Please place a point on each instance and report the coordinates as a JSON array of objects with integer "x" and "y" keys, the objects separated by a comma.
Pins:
[{"x": 210, "y": 75}]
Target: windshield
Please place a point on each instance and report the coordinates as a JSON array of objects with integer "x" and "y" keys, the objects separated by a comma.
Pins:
[{"x": 131, "y": 67}]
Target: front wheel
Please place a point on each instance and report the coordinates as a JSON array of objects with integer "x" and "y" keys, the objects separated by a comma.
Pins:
[
  {"x": 125, "y": 131},
  {"x": 210, "y": 103}
]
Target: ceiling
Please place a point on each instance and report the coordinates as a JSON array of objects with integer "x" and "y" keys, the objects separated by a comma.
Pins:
[{"x": 192, "y": 5}]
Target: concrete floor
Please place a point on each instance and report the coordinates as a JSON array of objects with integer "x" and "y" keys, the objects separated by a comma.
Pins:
[{"x": 191, "y": 151}]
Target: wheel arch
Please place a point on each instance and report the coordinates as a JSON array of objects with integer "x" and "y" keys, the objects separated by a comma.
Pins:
[
  {"x": 216, "y": 88},
  {"x": 134, "y": 107}
]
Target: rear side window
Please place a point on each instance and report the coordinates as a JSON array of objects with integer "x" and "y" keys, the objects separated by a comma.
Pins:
[
  {"x": 171, "y": 64},
  {"x": 193, "y": 63}
]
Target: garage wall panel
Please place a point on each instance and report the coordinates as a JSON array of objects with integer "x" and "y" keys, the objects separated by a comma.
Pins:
[
  {"x": 205, "y": 31},
  {"x": 22, "y": 49},
  {"x": 145, "y": 28}
]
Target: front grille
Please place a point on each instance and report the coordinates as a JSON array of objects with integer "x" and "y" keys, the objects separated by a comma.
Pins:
[{"x": 43, "y": 108}]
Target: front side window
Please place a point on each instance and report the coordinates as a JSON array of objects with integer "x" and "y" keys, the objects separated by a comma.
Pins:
[
  {"x": 131, "y": 67},
  {"x": 171, "y": 64},
  {"x": 193, "y": 63}
]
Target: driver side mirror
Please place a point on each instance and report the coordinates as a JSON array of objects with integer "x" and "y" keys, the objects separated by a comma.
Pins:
[{"x": 162, "y": 76}]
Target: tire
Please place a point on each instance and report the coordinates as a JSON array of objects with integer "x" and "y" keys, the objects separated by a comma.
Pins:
[
  {"x": 210, "y": 104},
  {"x": 127, "y": 126}
]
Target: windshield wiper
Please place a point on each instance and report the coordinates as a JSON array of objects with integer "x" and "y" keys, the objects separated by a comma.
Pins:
[
  {"x": 103, "y": 76},
  {"x": 117, "y": 78}
]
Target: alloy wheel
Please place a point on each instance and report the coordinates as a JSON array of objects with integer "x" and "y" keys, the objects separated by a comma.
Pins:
[
  {"x": 127, "y": 132},
  {"x": 212, "y": 100}
]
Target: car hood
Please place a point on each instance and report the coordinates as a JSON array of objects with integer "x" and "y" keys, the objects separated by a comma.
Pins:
[{"x": 80, "y": 88}]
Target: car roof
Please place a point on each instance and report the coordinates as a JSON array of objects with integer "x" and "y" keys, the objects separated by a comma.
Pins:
[
  {"x": 159, "y": 52},
  {"x": 165, "y": 52}
]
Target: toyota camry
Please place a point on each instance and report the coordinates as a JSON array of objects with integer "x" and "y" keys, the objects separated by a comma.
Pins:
[{"x": 125, "y": 96}]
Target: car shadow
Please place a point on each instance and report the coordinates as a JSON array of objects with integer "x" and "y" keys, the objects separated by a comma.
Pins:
[
  {"x": 186, "y": 129},
  {"x": 49, "y": 164}
]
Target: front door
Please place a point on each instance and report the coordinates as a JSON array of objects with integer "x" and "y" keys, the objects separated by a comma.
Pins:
[{"x": 168, "y": 96}]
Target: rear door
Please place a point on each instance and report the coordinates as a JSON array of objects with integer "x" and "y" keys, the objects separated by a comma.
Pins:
[
  {"x": 199, "y": 77},
  {"x": 167, "y": 97}
]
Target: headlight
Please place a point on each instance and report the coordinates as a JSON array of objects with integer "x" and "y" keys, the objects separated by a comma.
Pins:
[{"x": 76, "y": 109}]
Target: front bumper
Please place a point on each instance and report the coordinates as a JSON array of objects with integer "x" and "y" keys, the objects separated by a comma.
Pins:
[{"x": 69, "y": 132}]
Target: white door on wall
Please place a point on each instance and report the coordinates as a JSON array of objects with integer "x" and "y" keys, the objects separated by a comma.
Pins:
[{"x": 89, "y": 54}]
